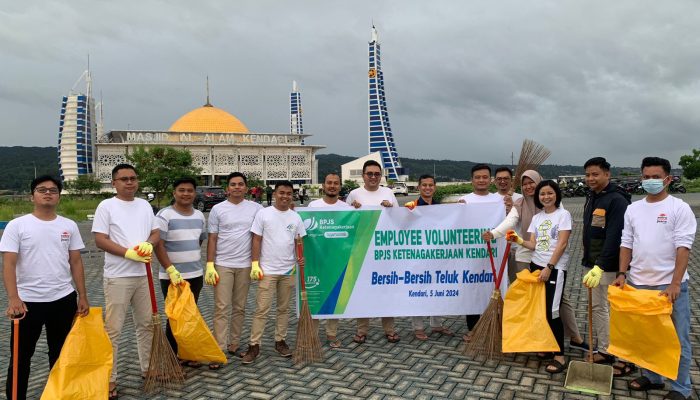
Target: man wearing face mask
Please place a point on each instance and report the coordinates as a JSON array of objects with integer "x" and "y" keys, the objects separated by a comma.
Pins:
[{"x": 658, "y": 234}]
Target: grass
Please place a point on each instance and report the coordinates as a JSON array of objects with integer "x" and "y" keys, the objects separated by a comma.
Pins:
[
  {"x": 693, "y": 186},
  {"x": 72, "y": 208}
]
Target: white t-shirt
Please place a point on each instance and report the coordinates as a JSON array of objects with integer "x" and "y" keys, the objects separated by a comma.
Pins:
[
  {"x": 515, "y": 196},
  {"x": 127, "y": 223},
  {"x": 278, "y": 230},
  {"x": 654, "y": 231},
  {"x": 546, "y": 228},
  {"x": 472, "y": 198},
  {"x": 232, "y": 222},
  {"x": 321, "y": 203},
  {"x": 375, "y": 198},
  {"x": 182, "y": 234},
  {"x": 43, "y": 270}
]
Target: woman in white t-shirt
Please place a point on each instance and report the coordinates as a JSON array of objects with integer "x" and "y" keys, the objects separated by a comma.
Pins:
[{"x": 549, "y": 233}]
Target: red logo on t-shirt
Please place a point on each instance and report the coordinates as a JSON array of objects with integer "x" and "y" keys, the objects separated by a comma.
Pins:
[
  {"x": 662, "y": 219},
  {"x": 65, "y": 236}
]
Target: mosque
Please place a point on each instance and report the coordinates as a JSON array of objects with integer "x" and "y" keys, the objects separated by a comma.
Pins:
[{"x": 220, "y": 144}]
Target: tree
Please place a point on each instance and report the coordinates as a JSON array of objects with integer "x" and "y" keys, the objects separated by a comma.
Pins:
[
  {"x": 691, "y": 164},
  {"x": 159, "y": 166},
  {"x": 83, "y": 185},
  {"x": 349, "y": 185}
]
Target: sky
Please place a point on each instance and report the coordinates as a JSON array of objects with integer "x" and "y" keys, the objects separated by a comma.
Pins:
[{"x": 464, "y": 80}]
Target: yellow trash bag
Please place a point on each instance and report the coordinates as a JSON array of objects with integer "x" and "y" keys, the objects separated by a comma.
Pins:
[
  {"x": 525, "y": 326},
  {"x": 194, "y": 340},
  {"x": 641, "y": 330},
  {"x": 83, "y": 368}
]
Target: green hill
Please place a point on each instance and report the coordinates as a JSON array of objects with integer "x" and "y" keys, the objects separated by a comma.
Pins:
[{"x": 17, "y": 164}]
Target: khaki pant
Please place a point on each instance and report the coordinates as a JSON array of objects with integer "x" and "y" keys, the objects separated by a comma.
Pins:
[
  {"x": 230, "y": 296},
  {"x": 363, "y": 326},
  {"x": 331, "y": 326},
  {"x": 601, "y": 310},
  {"x": 566, "y": 312},
  {"x": 419, "y": 325},
  {"x": 282, "y": 285},
  {"x": 120, "y": 293}
]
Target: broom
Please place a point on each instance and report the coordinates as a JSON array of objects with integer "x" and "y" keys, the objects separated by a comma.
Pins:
[
  {"x": 487, "y": 336},
  {"x": 308, "y": 346},
  {"x": 163, "y": 368},
  {"x": 532, "y": 155}
]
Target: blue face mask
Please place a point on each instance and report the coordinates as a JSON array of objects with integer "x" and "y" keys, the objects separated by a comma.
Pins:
[{"x": 653, "y": 186}]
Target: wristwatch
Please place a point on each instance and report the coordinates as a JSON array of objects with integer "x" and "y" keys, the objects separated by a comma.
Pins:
[
  {"x": 617, "y": 275},
  {"x": 550, "y": 266}
]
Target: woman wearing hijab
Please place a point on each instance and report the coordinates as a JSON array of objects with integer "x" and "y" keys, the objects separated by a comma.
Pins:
[{"x": 519, "y": 219}]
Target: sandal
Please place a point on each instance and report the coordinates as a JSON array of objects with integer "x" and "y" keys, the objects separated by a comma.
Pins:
[
  {"x": 392, "y": 337},
  {"x": 555, "y": 367},
  {"x": 467, "y": 338},
  {"x": 231, "y": 349},
  {"x": 442, "y": 330},
  {"x": 113, "y": 395},
  {"x": 675, "y": 395},
  {"x": 623, "y": 369},
  {"x": 333, "y": 342},
  {"x": 214, "y": 366},
  {"x": 191, "y": 364},
  {"x": 359, "y": 339},
  {"x": 606, "y": 358},
  {"x": 420, "y": 335},
  {"x": 642, "y": 384}
]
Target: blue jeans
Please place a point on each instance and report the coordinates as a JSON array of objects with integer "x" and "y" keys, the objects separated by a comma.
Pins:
[{"x": 681, "y": 321}]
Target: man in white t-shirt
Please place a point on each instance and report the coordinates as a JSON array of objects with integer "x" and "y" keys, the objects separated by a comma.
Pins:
[
  {"x": 41, "y": 253},
  {"x": 124, "y": 227},
  {"x": 274, "y": 260},
  {"x": 331, "y": 189},
  {"x": 228, "y": 261},
  {"x": 504, "y": 185},
  {"x": 182, "y": 231},
  {"x": 657, "y": 237},
  {"x": 371, "y": 194},
  {"x": 481, "y": 180}
]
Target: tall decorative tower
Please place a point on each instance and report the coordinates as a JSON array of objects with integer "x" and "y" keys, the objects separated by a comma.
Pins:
[
  {"x": 76, "y": 132},
  {"x": 380, "y": 137},
  {"x": 295, "y": 124}
]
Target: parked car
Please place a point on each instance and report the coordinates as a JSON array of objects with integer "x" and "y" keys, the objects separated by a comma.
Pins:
[
  {"x": 208, "y": 196},
  {"x": 399, "y": 188}
]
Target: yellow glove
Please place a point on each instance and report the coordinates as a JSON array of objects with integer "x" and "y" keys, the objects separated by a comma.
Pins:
[
  {"x": 211, "y": 277},
  {"x": 132, "y": 254},
  {"x": 175, "y": 277},
  {"x": 592, "y": 278},
  {"x": 145, "y": 249},
  {"x": 256, "y": 273},
  {"x": 512, "y": 236},
  {"x": 411, "y": 204}
]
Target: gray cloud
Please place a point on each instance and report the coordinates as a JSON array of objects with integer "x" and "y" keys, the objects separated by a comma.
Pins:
[{"x": 466, "y": 81}]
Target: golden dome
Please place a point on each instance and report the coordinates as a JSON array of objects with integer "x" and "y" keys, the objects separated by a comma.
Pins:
[{"x": 208, "y": 119}]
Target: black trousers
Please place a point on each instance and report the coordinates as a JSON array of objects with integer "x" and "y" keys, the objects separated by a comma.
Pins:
[
  {"x": 196, "y": 287},
  {"x": 58, "y": 317},
  {"x": 554, "y": 290}
]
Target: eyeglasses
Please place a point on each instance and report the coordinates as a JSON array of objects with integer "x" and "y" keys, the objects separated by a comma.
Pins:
[
  {"x": 373, "y": 174},
  {"x": 127, "y": 179},
  {"x": 502, "y": 179},
  {"x": 44, "y": 190}
]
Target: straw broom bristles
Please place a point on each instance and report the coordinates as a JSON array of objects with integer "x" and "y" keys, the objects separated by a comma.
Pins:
[
  {"x": 164, "y": 370},
  {"x": 487, "y": 336},
  {"x": 308, "y": 346},
  {"x": 532, "y": 155}
]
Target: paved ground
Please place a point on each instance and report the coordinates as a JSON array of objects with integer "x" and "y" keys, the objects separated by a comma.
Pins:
[{"x": 376, "y": 370}]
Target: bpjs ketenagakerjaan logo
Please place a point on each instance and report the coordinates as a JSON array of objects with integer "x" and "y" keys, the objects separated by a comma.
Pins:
[{"x": 326, "y": 227}]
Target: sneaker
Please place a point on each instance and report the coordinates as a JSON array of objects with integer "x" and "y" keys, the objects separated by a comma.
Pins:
[
  {"x": 251, "y": 354},
  {"x": 282, "y": 348},
  {"x": 583, "y": 346}
]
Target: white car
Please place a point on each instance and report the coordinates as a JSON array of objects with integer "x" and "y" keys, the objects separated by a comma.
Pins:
[{"x": 399, "y": 188}]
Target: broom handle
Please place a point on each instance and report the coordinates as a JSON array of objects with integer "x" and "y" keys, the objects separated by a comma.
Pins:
[
  {"x": 590, "y": 325},
  {"x": 493, "y": 266},
  {"x": 151, "y": 290},
  {"x": 15, "y": 355},
  {"x": 504, "y": 260},
  {"x": 299, "y": 244}
]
